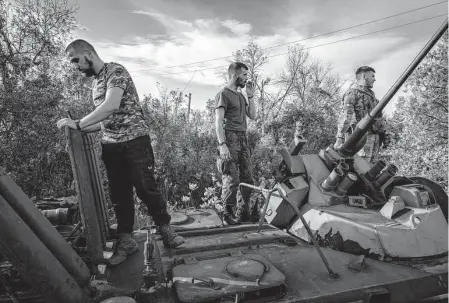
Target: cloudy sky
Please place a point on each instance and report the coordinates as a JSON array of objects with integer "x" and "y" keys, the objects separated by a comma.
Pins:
[{"x": 150, "y": 37}]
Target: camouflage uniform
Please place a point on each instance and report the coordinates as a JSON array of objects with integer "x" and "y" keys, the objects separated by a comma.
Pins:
[
  {"x": 126, "y": 151},
  {"x": 237, "y": 169},
  {"x": 358, "y": 102}
]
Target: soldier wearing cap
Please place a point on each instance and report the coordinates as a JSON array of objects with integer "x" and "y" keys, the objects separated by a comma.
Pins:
[{"x": 358, "y": 101}]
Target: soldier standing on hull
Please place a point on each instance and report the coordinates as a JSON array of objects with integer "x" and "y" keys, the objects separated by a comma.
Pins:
[
  {"x": 231, "y": 109},
  {"x": 126, "y": 147},
  {"x": 358, "y": 102}
]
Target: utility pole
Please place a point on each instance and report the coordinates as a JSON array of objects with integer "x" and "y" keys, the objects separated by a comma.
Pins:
[{"x": 188, "y": 108}]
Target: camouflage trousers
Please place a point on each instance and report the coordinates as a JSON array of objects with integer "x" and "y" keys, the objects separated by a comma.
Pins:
[
  {"x": 237, "y": 169},
  {"x": 370, "y": 150}
]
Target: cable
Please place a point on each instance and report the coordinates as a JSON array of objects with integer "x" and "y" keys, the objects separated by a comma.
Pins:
[
  {"x": 312, "y": 37},
  {"x": 379, "y": 31},
  {"x": 189, "y": 82},
  {"x": 333, "y": 42}
]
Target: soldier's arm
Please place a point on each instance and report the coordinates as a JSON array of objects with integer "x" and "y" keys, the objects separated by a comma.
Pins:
[
  {"x": 344, "y": 122},
  {"x": 93, "y": 128},
  {"x": 219, "y": 122},
  {"x": 116, "y": 85},
  {"x": 107, "y": 108},
  {"x": 251, "y": 111},
  {"x": 220, "y": 109}
]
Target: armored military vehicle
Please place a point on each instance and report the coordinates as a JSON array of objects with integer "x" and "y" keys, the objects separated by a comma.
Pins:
[
  {"x": 356, "y": 215},
  {"x": 360, "y": 207}
]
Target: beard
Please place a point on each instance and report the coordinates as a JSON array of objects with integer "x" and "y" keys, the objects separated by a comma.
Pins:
[
  {"x": 240, "y": 83},
  {"x": 88, "y": 72}
]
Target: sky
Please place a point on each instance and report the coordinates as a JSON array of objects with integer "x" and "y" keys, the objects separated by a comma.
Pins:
[{"x": 149, "y": 37}]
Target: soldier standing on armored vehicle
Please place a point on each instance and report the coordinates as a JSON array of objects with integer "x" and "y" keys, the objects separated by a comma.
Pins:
[
  {"x": 126, "y": 147},
  {"x": 231, "y": 109},
  {"x": 358, "y": 101}
]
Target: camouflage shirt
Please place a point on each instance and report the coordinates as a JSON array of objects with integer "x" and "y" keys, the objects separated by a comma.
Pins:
[
  {"x": 127, "y": 122},
  {"x": 357, "y": 103}
]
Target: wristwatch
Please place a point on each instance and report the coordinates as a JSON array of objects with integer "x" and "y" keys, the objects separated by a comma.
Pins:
[{"x": 77, "y": 123}]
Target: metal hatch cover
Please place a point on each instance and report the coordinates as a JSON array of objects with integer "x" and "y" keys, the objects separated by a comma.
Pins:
[
  {"x": 178, "y": 218},
  {"x": 212, "y": 279}
]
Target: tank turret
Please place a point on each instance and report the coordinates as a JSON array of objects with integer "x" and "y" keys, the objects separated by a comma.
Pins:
[{"x": 360, "y": 206}]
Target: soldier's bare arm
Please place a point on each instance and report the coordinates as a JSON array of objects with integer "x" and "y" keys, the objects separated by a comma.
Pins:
[
  {"x": 250, "y": 108},
  {"x": 116, "y": 85},
  {"x": 219, "y": 123},
  {"x": 107, "y": 108},
  {"x": 221, "y": 106}
]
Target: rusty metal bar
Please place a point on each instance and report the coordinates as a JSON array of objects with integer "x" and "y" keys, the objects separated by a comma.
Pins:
[
  {"x": 265, "y": 207},
  {"x": 309, "y": 231}
]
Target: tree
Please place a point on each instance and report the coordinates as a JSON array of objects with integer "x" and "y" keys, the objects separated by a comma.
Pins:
[
  {"x": 253, "y": 56},
  {"x": 308, "y": 94},
  {"x": 419, "y": 125},
  {"x": 308, "y": 83},
  {"x": 184, "y": 150},
  {"x": 31, "y": 90}
]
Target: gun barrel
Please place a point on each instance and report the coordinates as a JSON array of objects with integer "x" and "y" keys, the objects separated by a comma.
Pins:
[{"x": 348, "y": 148}]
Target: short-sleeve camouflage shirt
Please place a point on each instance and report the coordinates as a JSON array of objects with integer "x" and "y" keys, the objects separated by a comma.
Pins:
[{"x": 128, "y": 121}]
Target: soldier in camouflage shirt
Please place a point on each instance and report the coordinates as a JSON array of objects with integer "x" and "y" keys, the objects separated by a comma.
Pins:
[
  {"x": 126, "y": 147},
  {"x": 358, "y": 102},
  {"x": 127, "y": 122}
]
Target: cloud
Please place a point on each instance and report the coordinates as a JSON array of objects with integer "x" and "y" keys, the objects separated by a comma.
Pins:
[
  {"x": 170, "y": 23},
  {"x": 148, "y": 55},
  {"x": 238, "y": 28}
]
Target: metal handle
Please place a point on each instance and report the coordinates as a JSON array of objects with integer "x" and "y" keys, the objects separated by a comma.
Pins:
[
  {"x": 309, "y": 231},
  {"x": 265, "y": 207}
]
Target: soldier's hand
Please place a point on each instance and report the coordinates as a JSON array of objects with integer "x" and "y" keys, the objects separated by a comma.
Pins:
[
  {"x": 339, "y": 143},
  {"x": 224, "y": 152},
  {"x": 66, "y": 122}
]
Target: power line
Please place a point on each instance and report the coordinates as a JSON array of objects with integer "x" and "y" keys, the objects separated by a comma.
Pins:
[
  {"x": 189, "y": 82},
  {"x": 315, "y": 46},
  {"x": 379, "y": 31},
  {"x": 308, "y": 38}
]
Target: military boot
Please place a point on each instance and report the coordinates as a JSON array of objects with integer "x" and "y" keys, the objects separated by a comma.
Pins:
[
  {"x": 242, "y": 213},
  {"x": 255, "y": 213},
  {"x": 125, "y": 246},
  {"x": 228, "y": 216},
  {"x": 169, "y": 237}
]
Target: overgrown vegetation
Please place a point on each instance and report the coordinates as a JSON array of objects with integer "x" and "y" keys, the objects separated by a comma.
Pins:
[
  {"x": 419, "y": 126},
  {"x": 37, "y": 88}
]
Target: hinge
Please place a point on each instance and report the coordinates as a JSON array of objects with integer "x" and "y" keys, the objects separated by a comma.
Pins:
[
  {"x": 190, "y": 260},
  {"x": 377, "y": 295}
]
